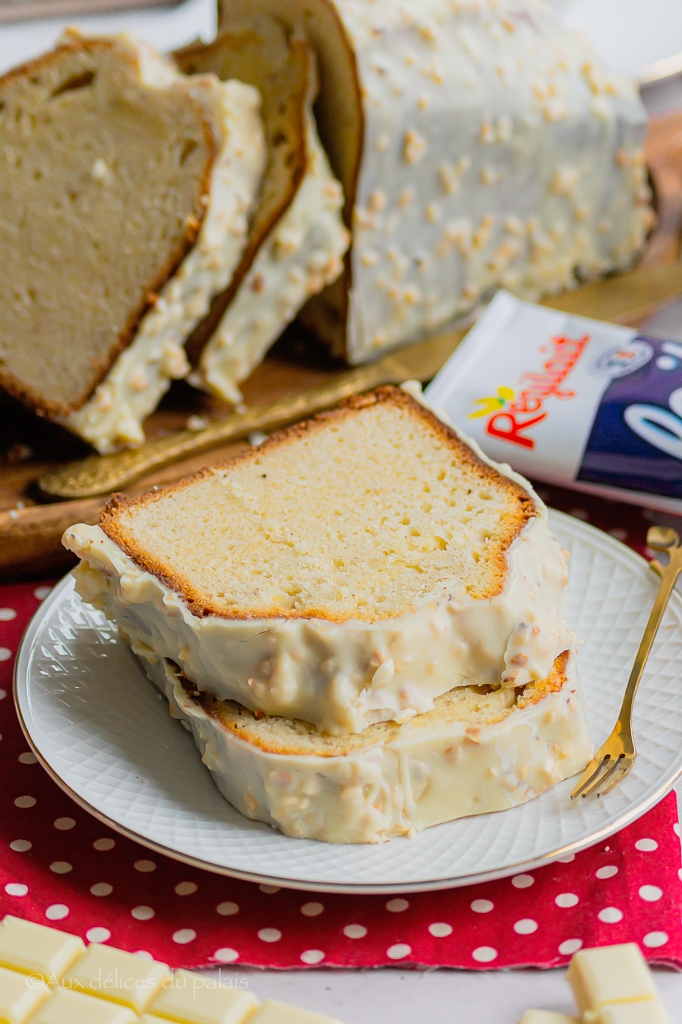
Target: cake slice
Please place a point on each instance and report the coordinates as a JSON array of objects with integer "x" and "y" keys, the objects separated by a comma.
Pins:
[
  {"x": 125, "y": 188},
  {"x": 347, "y": 571},
  {"x": 479, "y": 750},
  {"x": 296, "y": 234},
  {"x": 479, "y": 145}
]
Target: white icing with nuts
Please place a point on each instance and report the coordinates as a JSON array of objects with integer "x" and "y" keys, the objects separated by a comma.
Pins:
[
  {"x": 336, "y": 675},
  {"x": 112, "y": 418},
  {"x": 419, "y": 775},
  {"x": 301, "y": 255},
  {"x": 488, "y": 111}
]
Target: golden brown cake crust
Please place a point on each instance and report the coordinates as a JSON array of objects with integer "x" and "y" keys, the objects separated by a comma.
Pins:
[
  {"x": 331, "y": 307},
  {"x": 513, "y": 522},
  {"x": 18, "y": 389},
  {"x": 284, "y": 119}
]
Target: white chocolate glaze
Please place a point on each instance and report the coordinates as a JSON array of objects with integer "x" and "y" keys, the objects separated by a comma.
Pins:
[
  {"x": 301, "y": 255},
  {"x": 112, "y": 417},
  {"x": 344, "y": 676},
  {"x": 496, "y": 151},
  {"x": 422, "y": 773}
]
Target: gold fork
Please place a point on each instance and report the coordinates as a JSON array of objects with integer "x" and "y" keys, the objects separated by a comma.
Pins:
[{"x": 615, "y": 758}]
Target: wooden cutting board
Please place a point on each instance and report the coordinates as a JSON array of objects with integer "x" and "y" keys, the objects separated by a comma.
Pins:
[{"x": 30, "y": 528}]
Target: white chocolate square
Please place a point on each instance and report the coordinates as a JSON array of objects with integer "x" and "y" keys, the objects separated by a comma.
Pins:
[
  {"x": 609, "y": 974},
  {"x": 20, "y": 994},
  {"x": 69, "y": 1007},
  {"x": 200, "y": 999},
  {"x": 111, "y": 973},
  {"x": 547, "y": 1017},
  {"x": 646, "y": 1011},
  {"x": 274, "y": 1012},
  {"x": 36, "y": 949}
]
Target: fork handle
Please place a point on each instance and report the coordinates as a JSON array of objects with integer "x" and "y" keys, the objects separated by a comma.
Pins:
[{"x": 668, "y": 574}]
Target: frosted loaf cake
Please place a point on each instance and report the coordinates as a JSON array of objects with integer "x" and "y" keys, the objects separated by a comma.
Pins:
[
  {"x": 296, "y": 236},
  {"x": 479, "y": 750},
  {"x": 347, "y": 571},
  {"x": 141, "y": 180},
  {"x": 479, "y": 143}
]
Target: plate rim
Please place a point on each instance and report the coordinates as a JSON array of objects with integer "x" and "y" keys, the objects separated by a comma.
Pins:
[{"x": 21, "y": 676}]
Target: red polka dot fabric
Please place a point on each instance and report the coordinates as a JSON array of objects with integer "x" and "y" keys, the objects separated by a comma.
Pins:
[{"x": 59, "y": 866}]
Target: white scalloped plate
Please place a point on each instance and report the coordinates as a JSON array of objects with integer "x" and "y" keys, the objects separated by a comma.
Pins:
[{"x": 104, "y": 734}]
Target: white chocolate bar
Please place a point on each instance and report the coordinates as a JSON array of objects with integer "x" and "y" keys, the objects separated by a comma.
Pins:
[
  {"x": 274, "y": 1012},
  {"x": 19, "y": 996},
  {"x": 547, "y": 1017},
  {"x": 36, "y": 949},
  {"x": 610, "y": 974},
  {"x": 121, "y": 977},
  {"x": 69, "y": 1007},
  {"x": 194, "y": 999},
  {"x": 105, "y": 985},
  {"x": 645, "y": 1011}
]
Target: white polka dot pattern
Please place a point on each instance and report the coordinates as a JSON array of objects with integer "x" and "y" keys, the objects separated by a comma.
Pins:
[
  {"x": 101, "y": 889},
  {"x": 312, "y": 909},
  {"x": 20, "y": 845},
  {"x": 57, "y": 912},
  {"x": 61, "y": 867},
  {"x": 226, "y": 955},
  {"x": 145, "y": 866},
  {"x": 654, "y": 940},
  {"x": 185, "y": 888},
  {"x": 142, "y": 913},
  {"x": 522, "y": 881},
  {"x": 108, "y": 890},
  {"x": 16, "y": 889},
  {"x": 526, "y": 926},
  {"x": 566, "y": 899},
  {"x": 227, "y": 909},
  {"x": 484, "y": 954},
  {"x": 610, "y": 915},
  {"x": 312, "y": 956},
  {"x": 398, "y": 951},
  {"x": 570, "y": 946},
  {"x": 646, "y": 845}
]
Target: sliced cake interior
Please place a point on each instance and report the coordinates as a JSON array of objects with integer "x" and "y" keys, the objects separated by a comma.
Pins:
[
  {"x": 480, "y": 749},
  {"x": 359, "y": 513},
  {"x": 278, "y": 65},
  {"x": 95, "y": 157}
]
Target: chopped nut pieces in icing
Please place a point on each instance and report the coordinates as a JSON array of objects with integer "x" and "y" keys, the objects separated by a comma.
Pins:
[
  {"x": 474, "y": 753},
  {"x": 382, "y": 592},
  {"x": 483, "y": 111}
]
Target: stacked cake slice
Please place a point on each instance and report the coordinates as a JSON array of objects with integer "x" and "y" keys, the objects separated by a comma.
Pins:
[{"x": 362, "y": 621}]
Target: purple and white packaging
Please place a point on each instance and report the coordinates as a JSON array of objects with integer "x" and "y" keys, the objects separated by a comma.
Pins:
[{"x": 571, "y": 401}]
